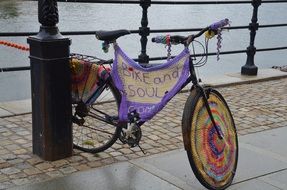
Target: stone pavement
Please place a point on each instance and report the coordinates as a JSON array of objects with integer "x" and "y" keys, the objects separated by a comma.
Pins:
[
  {"x": 256, "y": 107},
  {"x": 262, "y": 165}
]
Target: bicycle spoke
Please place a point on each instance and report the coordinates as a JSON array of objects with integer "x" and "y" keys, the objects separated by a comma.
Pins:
[
  {"x": 103, "y": 119},
  {"x": 98, "y": 130}
]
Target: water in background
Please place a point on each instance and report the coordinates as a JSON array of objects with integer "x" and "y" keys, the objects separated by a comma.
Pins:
[{"x": 18, "y": 16}]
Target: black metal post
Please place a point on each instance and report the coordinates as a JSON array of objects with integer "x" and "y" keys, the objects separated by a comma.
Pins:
[
  {"x": 50, "y": 83},
  {"x": 144, "y": 31},
  {"x": 250, "y": 68}
]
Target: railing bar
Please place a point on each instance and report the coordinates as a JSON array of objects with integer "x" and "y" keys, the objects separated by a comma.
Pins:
[
  {"x": 194, "y": 29},
  {"x": 198, "y": 2},
  {"x": 277, "y": 1},
  {"x": 169, "y": 2},
  {"x": 10, "y": 69},
  {"x": 156, "y": 2},
  {"x": 100, "y": 1},
  {"x": 271, "y": 49},
  {"x": 272, "y": 25},
  {"x": 200, "y": 55},
  {"x": 18, "y": 34}
]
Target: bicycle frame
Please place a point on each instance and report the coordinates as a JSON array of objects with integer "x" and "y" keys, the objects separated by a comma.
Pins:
[
  {"x": 193, "y": 78},
  {"x": 111, "y": 37}
]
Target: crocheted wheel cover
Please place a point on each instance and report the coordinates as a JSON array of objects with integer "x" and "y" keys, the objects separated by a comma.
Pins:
[{"x": 214, "y": 158}]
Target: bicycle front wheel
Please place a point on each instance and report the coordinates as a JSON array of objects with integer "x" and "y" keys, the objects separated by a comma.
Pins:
[
  {"x": 213, "y": 160},
  {"x": 96, "y": 127}
]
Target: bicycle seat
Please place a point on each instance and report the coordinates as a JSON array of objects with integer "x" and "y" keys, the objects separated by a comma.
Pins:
[{"x": 111, "y": 36}]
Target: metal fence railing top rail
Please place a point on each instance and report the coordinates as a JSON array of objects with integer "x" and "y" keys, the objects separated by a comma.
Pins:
[
  {"x": 145, "y": 31},
  {"x": 171, "y": 2},
  {"x": 72, "y": 33}
]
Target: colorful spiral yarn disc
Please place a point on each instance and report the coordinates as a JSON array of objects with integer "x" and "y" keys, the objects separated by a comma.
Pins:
[{"x": 214, "y": 157}]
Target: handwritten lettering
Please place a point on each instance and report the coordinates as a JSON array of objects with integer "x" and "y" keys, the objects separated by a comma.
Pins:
[
  {"x": 136, "y": 75},
  {"x": 131, "y": 93},
  {"x": 126, "y": 72},
  {"x": 143, "y": 92},
  {"x": 167, "y": 77},
  {"x": 142, "y": 109},
  {"x": 145, "y": 78},
  {"x": 143, "y": 84}
]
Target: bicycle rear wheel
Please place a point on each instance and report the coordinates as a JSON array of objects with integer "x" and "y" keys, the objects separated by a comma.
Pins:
[
  {"x": 96, "y": 127},
  {"x": 213, "y": 160}
]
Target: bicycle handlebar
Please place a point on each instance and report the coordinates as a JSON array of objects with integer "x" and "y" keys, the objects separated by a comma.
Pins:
[
  {"x": 167, "y": 39},
  {"x": 219, "y": 24}
]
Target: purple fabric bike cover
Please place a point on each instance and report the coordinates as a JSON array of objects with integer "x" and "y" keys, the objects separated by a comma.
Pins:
[{"x": 147, "y": 90}]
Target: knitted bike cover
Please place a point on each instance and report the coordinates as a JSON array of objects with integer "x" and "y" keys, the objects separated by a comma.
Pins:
[
  {"x": 86, "y": 80},
  {"x": 147, "y": 90}
]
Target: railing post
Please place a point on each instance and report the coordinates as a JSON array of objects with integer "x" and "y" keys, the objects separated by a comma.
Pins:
[
  {"x": 50, "y": 83},
  {"x": 250, "y": 68},
  {"x": 144, "y": 31}
]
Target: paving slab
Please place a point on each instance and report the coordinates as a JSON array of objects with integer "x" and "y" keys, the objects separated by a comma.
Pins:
[
  {"x": 238, "y": 78},
  {"x": 272, "y": 142},
  {"x": 120, "y": 176},
  {"x": 4, "y": 113},
  {"x": 278, "y": 179},
  {"x": 17, "y": 107},
  {"x": 253, "y": 185},
  {"x": 173, "y": 167},
  {"x": 261, "y": 74},
  {"x": 253, "y": 164}
]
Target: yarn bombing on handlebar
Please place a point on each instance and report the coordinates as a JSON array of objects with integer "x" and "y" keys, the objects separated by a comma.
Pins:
[
  {"x": 218, "y": 27},
  {"x": 147, "y": 90}
]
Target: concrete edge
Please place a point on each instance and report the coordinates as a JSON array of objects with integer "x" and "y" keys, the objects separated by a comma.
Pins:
[
  {"x": 248, "y": 81},
  {"x": 14, "y": 108},
  {"x": 238, "y": 79}
]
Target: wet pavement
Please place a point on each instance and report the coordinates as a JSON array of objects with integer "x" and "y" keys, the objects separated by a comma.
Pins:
[
  {"x": 259, "y": 109},
  {"x": 260, "y": 166}
]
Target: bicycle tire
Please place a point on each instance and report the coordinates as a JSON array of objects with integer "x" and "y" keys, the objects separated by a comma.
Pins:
[
  {"x": 95, "y": 135},
  {"x": 213, "y": 161}
]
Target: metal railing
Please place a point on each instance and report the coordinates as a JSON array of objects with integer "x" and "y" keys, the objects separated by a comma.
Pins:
[{"x": 144, "y": 31}]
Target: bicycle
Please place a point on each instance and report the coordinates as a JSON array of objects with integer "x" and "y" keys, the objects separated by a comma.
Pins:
[{"x": 123, "y": 99}]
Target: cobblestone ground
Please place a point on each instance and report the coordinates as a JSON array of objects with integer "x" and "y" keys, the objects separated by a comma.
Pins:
[{"x": 256, "y": 107}]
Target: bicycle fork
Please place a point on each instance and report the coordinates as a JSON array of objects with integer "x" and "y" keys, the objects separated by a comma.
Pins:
[
  {"x": 205, "y": 100},
  {"x": 196, "y": 85}
]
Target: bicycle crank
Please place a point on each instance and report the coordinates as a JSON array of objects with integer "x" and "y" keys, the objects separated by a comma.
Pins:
[{"x": 131, "y": 136}]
